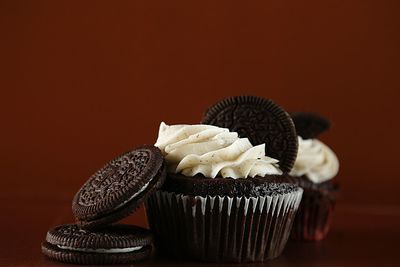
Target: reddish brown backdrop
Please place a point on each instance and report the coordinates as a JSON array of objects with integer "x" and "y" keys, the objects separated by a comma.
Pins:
[{"x": 82, "y": 82}]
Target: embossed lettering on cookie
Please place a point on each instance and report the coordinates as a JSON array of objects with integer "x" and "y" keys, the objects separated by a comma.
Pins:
[
  {"x": 117, "y": 189},
  {"x": 261, "y": 121},
  {"x": 114, "y": 244}
]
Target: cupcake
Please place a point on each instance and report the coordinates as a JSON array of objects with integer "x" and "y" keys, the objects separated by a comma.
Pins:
[
  {"x": 314, "y": 169},
  {"x": 221, "y": 200}
]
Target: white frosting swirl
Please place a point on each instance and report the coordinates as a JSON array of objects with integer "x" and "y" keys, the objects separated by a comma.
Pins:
[
  {"x": 315, "y": 160},
  {"x": 212, "y": 151}
]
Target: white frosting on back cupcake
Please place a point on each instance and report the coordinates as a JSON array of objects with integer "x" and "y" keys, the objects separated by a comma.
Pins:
[
  {"x": 212, "y": 151},
  {"x": 315, "y": 160}
]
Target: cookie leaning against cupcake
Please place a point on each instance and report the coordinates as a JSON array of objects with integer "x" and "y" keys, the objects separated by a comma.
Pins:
[
  {"x": 315, "y": 167},
  {"x": 109, "y": 195},
  {"x": 220, "y": 202}
]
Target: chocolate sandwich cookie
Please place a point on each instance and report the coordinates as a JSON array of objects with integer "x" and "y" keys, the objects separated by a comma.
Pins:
[
  {"x": 309, "y": 125},
  {"x": 260, "y": 120},
  {"x": 119, "y": 187},
  {"x": 115, "y": 244}
]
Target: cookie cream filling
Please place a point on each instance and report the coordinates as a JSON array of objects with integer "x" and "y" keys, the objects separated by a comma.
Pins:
[
  {"x": 212, "y": 151},
  {"x": 316, "y": 161},
  {"x": 101, "y": 250},
  {"x": 134, "y": 195}
]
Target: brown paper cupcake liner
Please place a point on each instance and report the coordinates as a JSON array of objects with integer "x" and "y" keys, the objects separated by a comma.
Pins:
[
  {"x": 228, "y": 229},
  {"x": 314, "y": 215}
]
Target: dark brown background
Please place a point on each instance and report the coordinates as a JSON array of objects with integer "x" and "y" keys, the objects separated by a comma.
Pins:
[{"x": 83, "y": 81}]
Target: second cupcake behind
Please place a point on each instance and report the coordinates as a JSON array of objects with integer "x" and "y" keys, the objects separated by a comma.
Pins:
[{"x": 315, "y": 167}]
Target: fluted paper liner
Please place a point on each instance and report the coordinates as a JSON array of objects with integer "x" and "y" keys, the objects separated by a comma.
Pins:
[
  {"x": 229, "y": 229},
  {"x": 314, "y": 215}
]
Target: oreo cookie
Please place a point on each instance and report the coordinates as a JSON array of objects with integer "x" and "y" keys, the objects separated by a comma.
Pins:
[
  {"x": 309, "y": 125},
  {"x": 260, "y": 120},
  {"x": 119, "y": 187},
  {"x": 115, "y": 244}
]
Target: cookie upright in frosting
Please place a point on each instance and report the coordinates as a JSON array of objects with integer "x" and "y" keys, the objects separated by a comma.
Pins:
[
  {"x": 119, "y": 187},
  {"x": 261, "y": 121},
  {"x": 309, "y": 125}
]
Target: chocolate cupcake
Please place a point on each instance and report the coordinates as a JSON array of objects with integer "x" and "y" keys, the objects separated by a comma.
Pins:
[
  {"x": 220, "y": 201},
  {"x": 315, "y": 167}
]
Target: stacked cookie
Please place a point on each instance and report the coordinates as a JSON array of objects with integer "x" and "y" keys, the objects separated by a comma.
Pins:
[
  {"x": 225, "y": 190},
  {"x": 109, "y": 195}
]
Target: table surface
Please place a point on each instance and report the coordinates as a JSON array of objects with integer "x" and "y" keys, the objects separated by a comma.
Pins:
[{"x": 360, "y": 236}]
